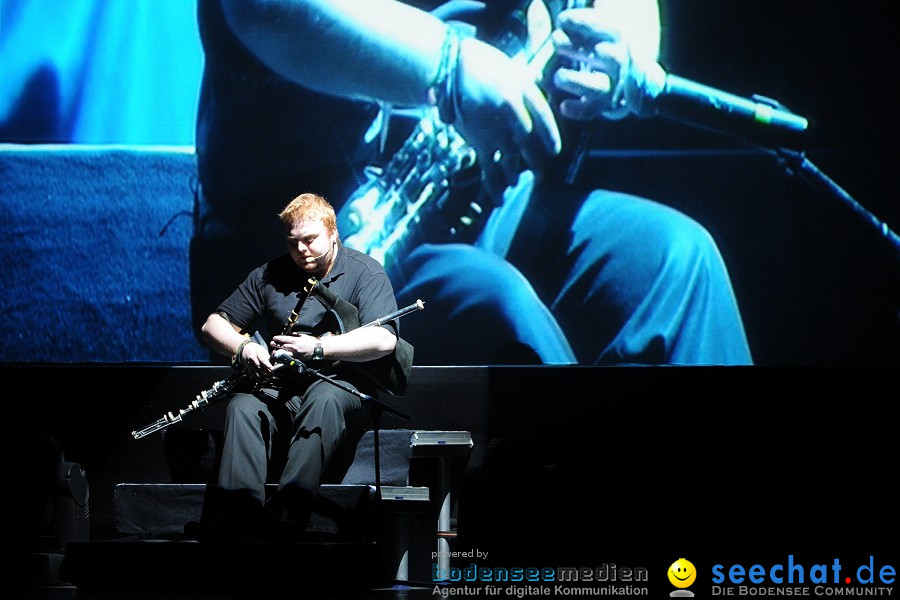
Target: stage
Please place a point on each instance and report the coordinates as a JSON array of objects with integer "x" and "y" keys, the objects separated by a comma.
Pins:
[{"x": 568, "y": 467}]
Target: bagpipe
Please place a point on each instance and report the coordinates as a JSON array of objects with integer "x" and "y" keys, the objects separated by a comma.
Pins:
[
  {"x": 430, "y": 189},
  {"x": 389, "y": 373}
]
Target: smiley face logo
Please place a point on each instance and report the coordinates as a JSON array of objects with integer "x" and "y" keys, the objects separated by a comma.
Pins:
[{"x": 682, "y": 573}]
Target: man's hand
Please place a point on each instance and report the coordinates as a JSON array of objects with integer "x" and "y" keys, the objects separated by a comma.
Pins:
[
  {"x": 299, "y": 346},
  {"x": 618, "y": 71},
  {"x": 503, "y": 115},
  {"x": 255, "y": 358}
]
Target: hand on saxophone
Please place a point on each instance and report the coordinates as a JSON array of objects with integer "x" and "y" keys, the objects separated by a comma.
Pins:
[
  {"x": 255, "y": 359},
  {"x": 503, "y": 115},
  {"x": 300, "y": 346}
]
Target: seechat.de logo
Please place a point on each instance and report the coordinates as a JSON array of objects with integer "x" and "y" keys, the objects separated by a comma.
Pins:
[{"x": 795, "y": 577}]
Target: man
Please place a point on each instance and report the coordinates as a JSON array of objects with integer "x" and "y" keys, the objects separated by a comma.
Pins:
[
  {"x": 293, "y": 94},
  {"x": 320, "y": 422}
]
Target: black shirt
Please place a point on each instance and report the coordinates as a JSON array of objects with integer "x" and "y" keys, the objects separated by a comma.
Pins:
[{"x": 272, "y": 291}]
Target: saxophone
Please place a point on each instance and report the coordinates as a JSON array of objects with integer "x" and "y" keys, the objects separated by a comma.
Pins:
[
  {"x": 409, "y": 201},
  {"x": 430, "y": 190}
]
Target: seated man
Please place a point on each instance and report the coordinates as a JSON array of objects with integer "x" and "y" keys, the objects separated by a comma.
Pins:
[{"x": 317, "y": 423}]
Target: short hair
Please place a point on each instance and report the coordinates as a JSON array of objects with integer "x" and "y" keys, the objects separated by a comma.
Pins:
[{"x": 309, "y": 207}]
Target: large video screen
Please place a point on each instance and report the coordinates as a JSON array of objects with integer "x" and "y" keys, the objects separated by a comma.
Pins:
[{"x": 561, "y": 183}]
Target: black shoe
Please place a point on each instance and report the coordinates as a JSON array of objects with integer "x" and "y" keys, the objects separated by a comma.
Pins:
[
  {"x": 225, "y": 530},
  {"x": 287, "y": 532},
  {"x": 193, "y": 530}
]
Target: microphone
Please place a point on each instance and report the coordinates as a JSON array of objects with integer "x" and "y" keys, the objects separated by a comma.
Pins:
[
  {"x": 758, "y": 118},
  {"x": 311, "y": 259},
  {"x": 284, "y": 357}
]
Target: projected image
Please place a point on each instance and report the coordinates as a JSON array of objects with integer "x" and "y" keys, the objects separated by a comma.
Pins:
[
  {"x": 451, "y": 168},
  {"x": 534, "y": 170}
]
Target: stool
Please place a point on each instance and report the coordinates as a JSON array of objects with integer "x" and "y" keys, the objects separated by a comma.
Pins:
[{"x": 445, "y": 447}]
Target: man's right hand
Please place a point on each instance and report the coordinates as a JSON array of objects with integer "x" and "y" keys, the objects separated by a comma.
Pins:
[
  {"x": 503, "y": 115},
  {"x": 255, "y": 358}
]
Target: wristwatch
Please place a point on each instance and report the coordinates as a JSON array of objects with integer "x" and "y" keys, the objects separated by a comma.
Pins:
[{"x": 318, "y": 352}]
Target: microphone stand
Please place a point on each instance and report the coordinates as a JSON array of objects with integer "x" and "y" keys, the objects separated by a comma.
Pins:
[
  {"x": 379, "y": 407},
  {"x": 759, "y": 121},
  {"x": 797, "y": 163}
]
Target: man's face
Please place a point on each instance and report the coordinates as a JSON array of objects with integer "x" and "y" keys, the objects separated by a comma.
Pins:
[{"x": 311, "y": 246}]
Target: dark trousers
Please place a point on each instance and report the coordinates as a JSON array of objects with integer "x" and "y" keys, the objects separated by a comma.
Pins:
[
  {"x": 597, "y": 278},
  {"x": 297, "y": 437}
]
